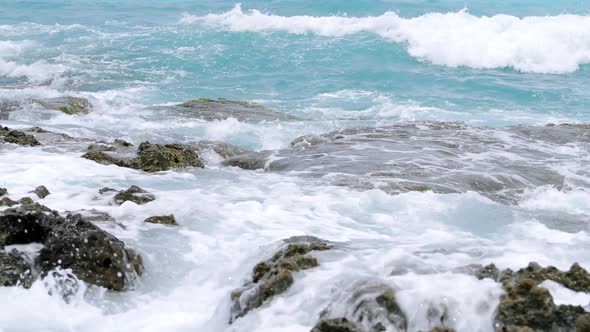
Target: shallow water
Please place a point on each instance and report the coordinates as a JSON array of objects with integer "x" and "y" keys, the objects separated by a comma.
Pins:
[{"x": 504, "y": 69}]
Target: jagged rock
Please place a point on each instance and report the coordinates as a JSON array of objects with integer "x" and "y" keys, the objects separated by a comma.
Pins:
[
  {"x": 31, "y": 207},
  {"x": 3, "y": 192},
  {"x": 526, "y": 305},
  {"x": 163, "y": 220},
  {"x": 275, "y": 275},
  {"x": 336, "y": 325},
  {"x": 249, "y": 161},
  {"x": 14, "y": 270},
  {"x": 148, "y": 157},
  {"x": 67, "y": 105},
  {"x": 41, "y": 191},
  {"x": 221, "y": 109},
  {"x": 5, "y": 201},
  {"x": 8, "y": 135},
  {"x": 94, "y": 255},
  {"x": 134, "y": 194}
]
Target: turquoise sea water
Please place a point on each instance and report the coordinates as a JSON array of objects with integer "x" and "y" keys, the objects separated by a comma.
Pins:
[{"x": 508, "y": 189}]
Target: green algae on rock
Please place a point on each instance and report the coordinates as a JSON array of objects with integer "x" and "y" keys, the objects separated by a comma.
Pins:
[
  {"x": 162, "y": 220},
  {"x": 8, "y": 135},
  {"x": 275, "y": 275},
  {"x": 133, "y": 194},
  {"x": 67, "y": 105}
]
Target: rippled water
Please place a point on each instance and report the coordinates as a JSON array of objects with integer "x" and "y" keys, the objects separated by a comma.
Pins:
[{"x": 508, "y": 188}]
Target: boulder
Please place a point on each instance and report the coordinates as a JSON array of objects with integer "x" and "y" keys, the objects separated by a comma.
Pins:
[
  {"x": 275, "y": 275},
  {"x": 148, "y": 157},
  {"x": 134, "y": 194},
  {"x": 93, "y": 255},
  {"x": 41, "y": 192},
  {"x": 162, "y": 220},
  {"x": 8, "y": 135}
]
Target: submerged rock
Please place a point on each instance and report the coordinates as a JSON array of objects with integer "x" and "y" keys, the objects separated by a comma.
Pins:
[
  {"x": 366, "y": 307},
  {"x": 41, "y": 192},
  {"x": 275, "y": 275},
  {"x": 134, "y": 194},
  {"x": 148, "y": 157},
  {"x": 222, "y": 109},
  {"x": 443, "y": 157},
  {"x": 15, "y": 270},
  {"x": 67, "y": 105},
  {"x": 526, "y": 305},
  {"x": 162, "y": 220},
  {"x": 8, "y": 135},
  {"x": 93, "y": 255}
]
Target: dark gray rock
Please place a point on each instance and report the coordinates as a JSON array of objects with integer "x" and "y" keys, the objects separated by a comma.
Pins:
[
  {"x": 41, "y": 192},
  {"x": 15, "y": 270},
  {"x": 162, "y": 220},
  {"x": 134, "y": 194},
  {"x": 8, "y": 135},
  {"x": 3, "y": 192}
]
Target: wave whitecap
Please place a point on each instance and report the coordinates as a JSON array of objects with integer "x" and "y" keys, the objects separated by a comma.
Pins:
[{"x": 548, "y": 44}]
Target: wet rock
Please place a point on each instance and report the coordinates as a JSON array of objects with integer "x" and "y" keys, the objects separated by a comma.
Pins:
[
  {"x": 41, "y": 192},
  {"x": 224, "y": 150},
  {"x": 250, "y": 161},
  {"x": 5, "y": 201},
  {"x": 28, "y": 207},
  {"x": 370, "y": 306},
  {"x": 3, "y": 192},
  {"x": 105, "y": 190},
  {"x": 583, "y": 323},
  {"x": 25, "y": 228},
  {"x": 222, "y": 109},
  {"x": 94, "y": 255},
  {"x": 162, "y": 220},
  {"x": 336, "y": 325},
  {"x": 93, "y": 215},
  {"x": 26, "y": 201},
  {"x": 15, "y": 270},
  {"x": 148, "y": 157},
  {"x": 67, "y": 105},
  {"x": 526, "y": 305},
  {"x": 134, "y": 194},
  {"x": 275, "y": 275},
  {"x": 8, "y": 135}
]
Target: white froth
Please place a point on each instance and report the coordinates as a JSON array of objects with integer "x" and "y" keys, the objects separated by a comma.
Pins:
[{"x": 550, "y": 44}]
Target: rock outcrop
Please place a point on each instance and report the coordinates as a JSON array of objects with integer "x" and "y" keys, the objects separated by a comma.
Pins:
[
  {"x": 8, "y": 135},
  {"x": 15, "y": 270},
  {"x": 93, "y": 255},
  {"x": 275, "y": 275},
  {"x": 134, "y": 194}
]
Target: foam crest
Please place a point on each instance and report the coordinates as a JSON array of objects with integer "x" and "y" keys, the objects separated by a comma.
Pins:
[
  {"x": 37, "y": 71},
  {"x": 550, "y": 44}
]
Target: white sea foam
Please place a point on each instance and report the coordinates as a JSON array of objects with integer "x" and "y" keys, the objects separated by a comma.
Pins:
[
  {"x": 550, "y": 44},
  {"x": 36, "y": 71},
  {"x": 12, "y": 48}
]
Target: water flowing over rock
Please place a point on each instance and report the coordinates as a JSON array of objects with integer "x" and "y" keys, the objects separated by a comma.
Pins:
[
  {"x": 93, "y": 255},
  {"x": 275, "y": 275},
  {"x": 222, "y": 109},
  {"x": 67, "y": 105},
  {"x": 441, "y": 156},
  {"x": 526, "y": 305},
  {"x": 15, "y": 270}
]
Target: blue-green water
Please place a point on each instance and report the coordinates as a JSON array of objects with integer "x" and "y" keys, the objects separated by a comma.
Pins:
[{"x": 511, "y": 194}]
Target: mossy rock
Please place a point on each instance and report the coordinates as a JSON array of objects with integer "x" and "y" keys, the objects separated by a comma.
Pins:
[
  {"x": 157, "y": 157},
  {"x": 134, "y": 194},
  {"x": 162, "y": 220},
  {"x": 67, "y": 105},
  {"x": 275, "y": 275}
]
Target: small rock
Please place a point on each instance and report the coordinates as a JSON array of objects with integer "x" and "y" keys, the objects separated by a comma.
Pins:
[
  {"x": 104, "y": 190},
  {"x": 5, "y": 201},
  {"x": 3, "y": 192},
  {"x": 163, "y": 220},
  {"x": 156, "y": 157},
  {"x": 41, "y": 191},
  {"x": 26, "y": 200},
  {"x": 134, "y": 194}
]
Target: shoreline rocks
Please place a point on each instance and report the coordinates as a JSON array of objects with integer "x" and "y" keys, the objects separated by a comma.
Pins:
[
  {"x": 71, "y": 242},
  {"x": 275, "y": 275},
  {"x": 8, "y": 135}
]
